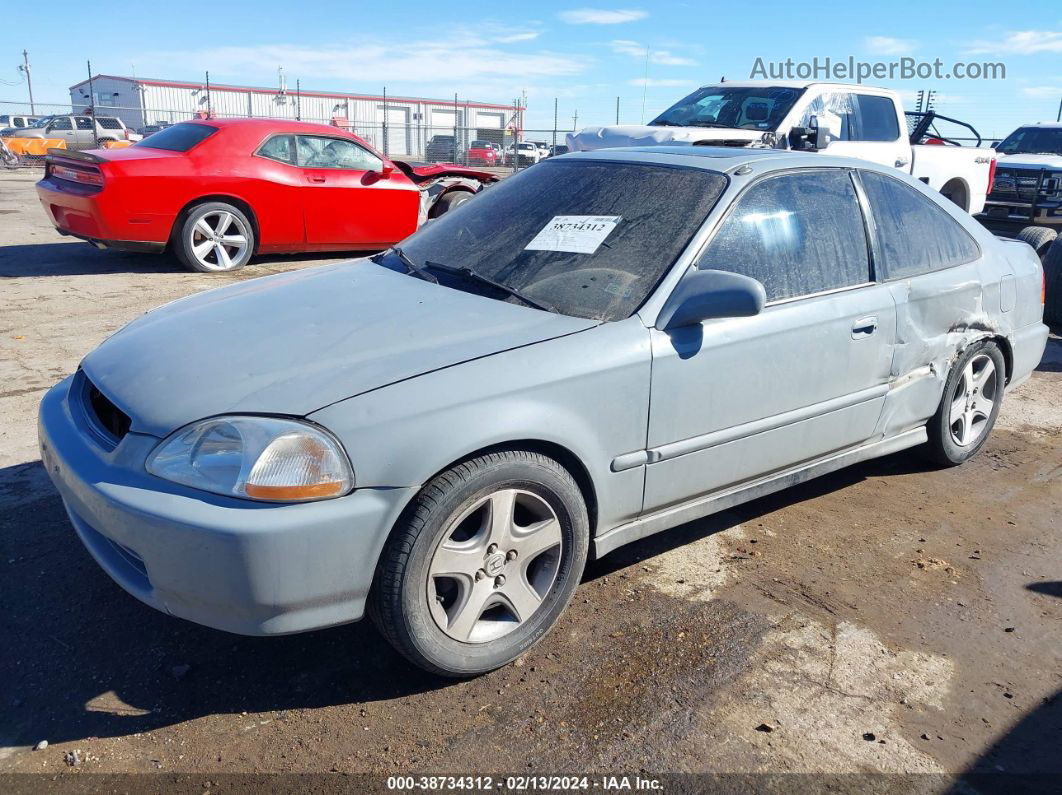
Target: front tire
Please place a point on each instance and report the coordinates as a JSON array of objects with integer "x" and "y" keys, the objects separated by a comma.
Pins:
[
  {"x": 482, "y": 564},
  {"x": 214, "y": 238},
  {"x": 449, "y": 201},
  {"x": 969, "y": 406}
]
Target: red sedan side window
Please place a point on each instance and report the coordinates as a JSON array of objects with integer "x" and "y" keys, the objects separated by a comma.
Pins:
[
  {"x": 318, "y": 151},
  {"x": 279, "y": 147}
]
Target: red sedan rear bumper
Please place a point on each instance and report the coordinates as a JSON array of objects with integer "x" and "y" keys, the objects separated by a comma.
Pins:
[{"x": 99, "y": 217}]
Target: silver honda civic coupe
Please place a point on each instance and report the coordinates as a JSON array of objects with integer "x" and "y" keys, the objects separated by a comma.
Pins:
[{"x": 601, "y": 347}]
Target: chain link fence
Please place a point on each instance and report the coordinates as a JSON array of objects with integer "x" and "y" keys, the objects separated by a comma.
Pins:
[{"x": 500, "y": 146}]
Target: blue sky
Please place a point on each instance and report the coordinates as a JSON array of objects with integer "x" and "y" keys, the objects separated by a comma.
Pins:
[{"x": 585, "y": 55}]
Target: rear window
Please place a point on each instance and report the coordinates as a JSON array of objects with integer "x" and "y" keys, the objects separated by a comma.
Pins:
[
  {"x": 108, "y": 123},
  {"x": 178, "y": 138}
]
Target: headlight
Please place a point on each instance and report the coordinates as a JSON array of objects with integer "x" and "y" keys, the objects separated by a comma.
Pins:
[{"x": 263, "y": 458}]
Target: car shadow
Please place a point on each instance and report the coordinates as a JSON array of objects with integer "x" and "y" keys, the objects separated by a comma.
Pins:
[
  {"x": 77, "y": 258},
  {"x": 903, "y": 463},
  {"x": 85, "y": 659}
]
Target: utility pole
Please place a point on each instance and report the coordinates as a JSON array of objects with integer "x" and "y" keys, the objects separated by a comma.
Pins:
[
  {"x": 92, "y": 93},
  {"x": 575, "y": 120},
  {"x": 298, "y": 99},
  {"x": 29, "y": 80},
  {"x": 209, "y": 110},
  {"x": 1059, "y": 116},
  {"x": 554, "y": 123},
  {"x": 617, "y": 110}
]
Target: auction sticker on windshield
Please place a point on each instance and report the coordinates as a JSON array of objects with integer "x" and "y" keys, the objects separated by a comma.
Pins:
[{"x": 575, "y": 234}]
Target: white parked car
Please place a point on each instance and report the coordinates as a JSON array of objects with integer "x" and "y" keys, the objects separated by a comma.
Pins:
[
  {"x": 527, "y": 154},
  {"x": 852, "y": 120}
]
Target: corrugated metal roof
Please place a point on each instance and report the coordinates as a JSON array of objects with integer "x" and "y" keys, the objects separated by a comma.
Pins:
[{"x": 303, "y": 92}]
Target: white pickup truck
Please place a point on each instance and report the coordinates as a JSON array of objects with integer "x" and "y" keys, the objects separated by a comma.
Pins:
[{"x": 852, "y": 120}]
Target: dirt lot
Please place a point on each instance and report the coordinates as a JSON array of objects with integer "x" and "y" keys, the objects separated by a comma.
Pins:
[{"x": 893, "y": 617}]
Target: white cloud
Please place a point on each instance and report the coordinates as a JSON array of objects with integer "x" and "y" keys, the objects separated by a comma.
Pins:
[
  {"x": 601, "y": 16},
  {"x": 454, "y": 63},
  {"x": 653, "y": 82},
  {"x": 511, "y": 38},
  {"x": 637, "y": 50},
  {"x": 887, "y": 45},
  {"x": 1021, "y": 42},
  {"x": 1043, "y": 92}
]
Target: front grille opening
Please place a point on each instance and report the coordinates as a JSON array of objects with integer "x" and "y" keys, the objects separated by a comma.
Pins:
[{"x": 110, "y": 417}]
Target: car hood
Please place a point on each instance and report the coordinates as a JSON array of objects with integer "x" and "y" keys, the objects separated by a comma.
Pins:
[
  {"x": 296, "y": 342},
  {"x": 592, "y": 138},
  {"x": 1031, "y": 161}
]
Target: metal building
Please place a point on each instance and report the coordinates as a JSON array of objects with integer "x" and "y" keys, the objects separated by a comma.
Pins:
[{"x": 398, "y": 125}]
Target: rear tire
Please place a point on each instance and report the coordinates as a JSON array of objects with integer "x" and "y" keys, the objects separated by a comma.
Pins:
[
  {"x": 1040, "y": 238},
  {"x": 482, "y": 564},
  {"x": 969, "y": 406},
  {"x": 1053, "y": 282},
  {"x": 214, "y": 237}
]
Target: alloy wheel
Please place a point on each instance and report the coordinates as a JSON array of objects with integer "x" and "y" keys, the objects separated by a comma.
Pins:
[
  {"x": 219, "y": 240},
  {"x": 973, "y": 400},
  {"x": 494, "y": 566}
]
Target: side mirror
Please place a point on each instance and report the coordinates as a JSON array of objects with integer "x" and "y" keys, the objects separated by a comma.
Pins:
[
  {"x": 386, "y": 170},
  {"x": 703, "y": 295},
  {"x": 813, "y": 138}
]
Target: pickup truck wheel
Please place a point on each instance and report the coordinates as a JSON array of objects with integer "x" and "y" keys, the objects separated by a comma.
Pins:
[
  {"x": 968, "y": 409},
  {"x": 482, "y": 564},
  {"x": 1053, "y": 282},
  {"x": 214, "y": 237},
  {"x": 1039, "y": 237},
  {"x": 448, "y": 201}
]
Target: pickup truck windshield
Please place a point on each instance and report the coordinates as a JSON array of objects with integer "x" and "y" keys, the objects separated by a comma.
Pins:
[
  {"x": 759, "y": 108},
  {"x": 587, "y": 238},
  {"x": 1032, "y": 141}
]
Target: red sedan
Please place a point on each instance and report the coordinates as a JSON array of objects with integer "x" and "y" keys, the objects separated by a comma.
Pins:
[
  {"x": 483, "y": 153},
  {"x": 219, "y": 191}
]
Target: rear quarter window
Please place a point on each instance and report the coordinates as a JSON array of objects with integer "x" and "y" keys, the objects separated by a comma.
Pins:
[
  {"x": 178, "y": 138},
  {"x": 914, "y": 235},
  {"x": 108, "y": 124}
]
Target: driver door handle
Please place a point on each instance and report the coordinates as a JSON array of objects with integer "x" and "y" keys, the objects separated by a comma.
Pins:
[
  {"x": 315, "y": 178},
  {"x": 901, "y": 162},
  {"x": 864, "y": 327}
]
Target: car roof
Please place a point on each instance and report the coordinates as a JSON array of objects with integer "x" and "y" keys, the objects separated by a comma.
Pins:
[
  {"x": 267, "y": 125},
  {"x": 723, "y": 158}
]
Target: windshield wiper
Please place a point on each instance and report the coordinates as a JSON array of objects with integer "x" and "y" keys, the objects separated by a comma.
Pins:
[
  {"x": 698, "y": 123},
  {"x": 664, "y": 123},
  {"x": 412, "y": 268},
  {"x": 475, "y": 276}
]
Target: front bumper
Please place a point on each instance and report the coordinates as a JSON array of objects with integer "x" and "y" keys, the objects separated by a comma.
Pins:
[{"x": 235, "y": 565}]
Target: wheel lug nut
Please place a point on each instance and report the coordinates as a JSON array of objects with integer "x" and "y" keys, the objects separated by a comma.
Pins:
[
  {"x": 499, "y": 581},
  {"x": 480, "y": 574},
  {"x": 510, "y": 555},
  {"x": 492, "y": 549}
]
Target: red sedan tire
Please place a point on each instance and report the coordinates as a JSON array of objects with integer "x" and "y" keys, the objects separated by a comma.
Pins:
[
  {"x": 214, "y": 237},
  {"x": 450, "y": 200}
]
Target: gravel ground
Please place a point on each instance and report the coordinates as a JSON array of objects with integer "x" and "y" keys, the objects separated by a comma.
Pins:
[{"x": 890, "y": 618}]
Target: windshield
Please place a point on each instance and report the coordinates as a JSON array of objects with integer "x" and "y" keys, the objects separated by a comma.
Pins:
[
  {"x": 42, "y": 122},
  {"x": 589, "y": 238},
  {"x": 1032, "y": 141},
  {"x": 759, "y": 108}
]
